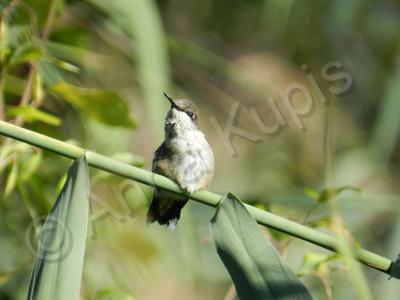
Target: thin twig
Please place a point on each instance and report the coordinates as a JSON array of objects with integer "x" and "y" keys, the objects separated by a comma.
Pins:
[
  {"x": 328, "y": 290},
  {"x": 50, "y": 20},
  {"x": 2, "y": 106},
  {"x": 26, "y": 95}
]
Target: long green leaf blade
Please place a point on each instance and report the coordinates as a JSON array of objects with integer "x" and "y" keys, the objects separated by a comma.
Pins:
[
  {"x": 256, "y": 268},
  {"x": 57, "y": 270}
]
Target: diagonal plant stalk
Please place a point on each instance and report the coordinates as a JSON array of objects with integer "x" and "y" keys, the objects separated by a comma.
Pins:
[{"x": 263, "y": 217}]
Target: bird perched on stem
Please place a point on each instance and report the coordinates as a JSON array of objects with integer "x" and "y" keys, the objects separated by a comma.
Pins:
[{"x": 185, "y": 157}]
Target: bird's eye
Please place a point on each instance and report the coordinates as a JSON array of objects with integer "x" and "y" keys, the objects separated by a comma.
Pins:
[{"x": 190, "y": 114}]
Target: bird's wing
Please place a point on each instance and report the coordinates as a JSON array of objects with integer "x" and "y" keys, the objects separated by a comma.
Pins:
[
  {"x": 165, "y": 206},
  {"x": 161, "y": 163}
]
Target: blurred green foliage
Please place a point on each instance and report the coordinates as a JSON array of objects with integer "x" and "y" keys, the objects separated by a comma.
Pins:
[{"x": 57, "y": 54}]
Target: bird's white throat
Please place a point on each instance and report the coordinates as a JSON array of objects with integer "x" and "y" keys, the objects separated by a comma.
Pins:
[{"x": 178, "y": 123}]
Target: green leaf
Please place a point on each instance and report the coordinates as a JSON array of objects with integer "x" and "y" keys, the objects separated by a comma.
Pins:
[
  {"x": 49, "y": 72},
  {"x": 14, "y": 84},
  {"x": 310, "y": 192},
  {"x": 278, "y": 236},
  {"x": 329, "y": 193},
  {"x": 102, "y": 105},
  {"x": 58, "y": 265},
  {"x": 16, "y": 35},
  {"x": 12, "y": 148},
  {"x": 64, "y": 65},
  {"x": 25, "y": 53},
  {"x": 9, "y": 152},
  {"x": 32, "y": 114},
  {"x": 256, "y": 268},
  {"x": 31, "y": 165},
  {"x": 11, "y": 179},
  {"x": 324, "y": 221}
]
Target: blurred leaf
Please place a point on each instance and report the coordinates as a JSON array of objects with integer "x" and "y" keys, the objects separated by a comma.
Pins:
[
  {"x": 32, "y": 114},
  {"x": 11, "y": 179},
  {"x": 49, "y": 72},
  {"x": 313, "y": 262},
  {"x": 38, "y": 196},
  {"x": 256, "y": 268},
  {"x": 57, "y": 270},
  {"x": 324, "y": 221},
  {"x": 70, "y": 35},
  {"x": 5, "y": 53},
  {"x": 31, "y": 165},
  {"x": 25, "y": 53},
  {"x": 40, "y": 10},
  {"x": 14, "y": 84},
  {"x": 60, "y": 184},
  {"x": 16, "y": 35},
  {"x": 262, "y": 206},
  {"x": 12, "y": 148},
  {"x": 310, "y": 192},
  {"x": 76, "y": 55},
  {"x": 387, "y": 126},
  {"x": 4, "y": 4},
  {"x": 38, "y": 91},
  {"x": 110, "y": 294},
  {"x": 278, "y": 236},
  {"x": 4, "y": 278},
  {"x": 64, "y": 65},
  {"x": 102, "y": 105},
  {"x": 141, "y": 246},
  {"x": 11, "y": 151},
  {"x": 329, "y": 193}
]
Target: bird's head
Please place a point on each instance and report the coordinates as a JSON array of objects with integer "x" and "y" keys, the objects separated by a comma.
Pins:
[{"x": 182, "y": 117}]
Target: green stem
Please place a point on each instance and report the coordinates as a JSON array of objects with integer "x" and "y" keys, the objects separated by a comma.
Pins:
[{"x": 118, "y": 168}]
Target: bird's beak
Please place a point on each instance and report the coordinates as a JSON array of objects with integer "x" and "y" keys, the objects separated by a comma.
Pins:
[{"x": 173, "y": 104}]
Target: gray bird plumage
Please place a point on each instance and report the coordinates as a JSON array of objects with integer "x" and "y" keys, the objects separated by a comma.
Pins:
[{"x": 185, "y": 157}]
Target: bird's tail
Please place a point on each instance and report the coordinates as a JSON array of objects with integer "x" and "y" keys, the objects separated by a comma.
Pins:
[{"x": 166, "y": 213}]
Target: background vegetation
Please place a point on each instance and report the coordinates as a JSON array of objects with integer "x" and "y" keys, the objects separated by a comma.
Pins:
[{"x": 93, "y": 72}]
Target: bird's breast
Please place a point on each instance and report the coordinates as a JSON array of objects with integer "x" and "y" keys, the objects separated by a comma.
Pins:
[{"x": 193, "y": 160}]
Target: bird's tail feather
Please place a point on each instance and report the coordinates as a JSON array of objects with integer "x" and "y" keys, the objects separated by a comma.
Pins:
[{"x": 168, "y": 217}]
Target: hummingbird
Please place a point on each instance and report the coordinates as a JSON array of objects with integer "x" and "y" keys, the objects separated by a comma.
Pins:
[{"x": 185, "y": 157}]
